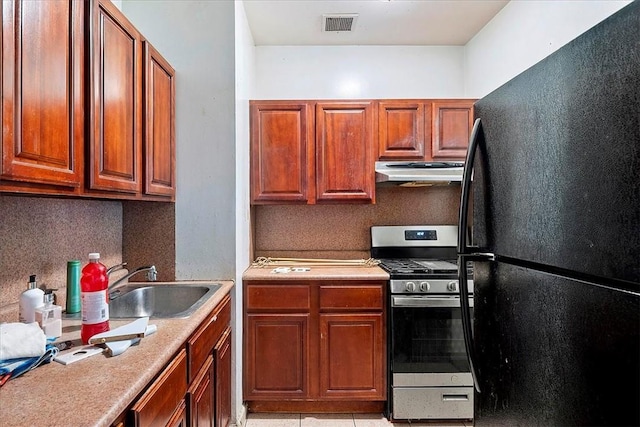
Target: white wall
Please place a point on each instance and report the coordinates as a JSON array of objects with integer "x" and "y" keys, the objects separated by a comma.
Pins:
[
  {"x": 339, "y": 72},
  {"x": 197, "y": 38},
  {"x": 522, "y": 34},
  {"x": 245, "y": 78}
]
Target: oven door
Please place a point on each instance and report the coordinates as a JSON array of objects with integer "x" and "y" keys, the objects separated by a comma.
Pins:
[{"x": 427, "y": 342}]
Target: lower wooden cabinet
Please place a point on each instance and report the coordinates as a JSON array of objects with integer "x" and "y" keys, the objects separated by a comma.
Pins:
[
  {"x": 314, "y": 345},
  {"x": 158, "y": 404},
  {"x": 195, "y": 387}
]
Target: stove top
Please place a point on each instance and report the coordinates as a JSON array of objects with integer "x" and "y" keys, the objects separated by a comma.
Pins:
[{"x": 422, "y": 267}]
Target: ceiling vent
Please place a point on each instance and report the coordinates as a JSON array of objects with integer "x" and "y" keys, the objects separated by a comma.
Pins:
[{"x": 339, "y": 22}]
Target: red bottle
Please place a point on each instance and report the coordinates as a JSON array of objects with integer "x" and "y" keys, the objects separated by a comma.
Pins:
[{"x": 95, "y": 303}]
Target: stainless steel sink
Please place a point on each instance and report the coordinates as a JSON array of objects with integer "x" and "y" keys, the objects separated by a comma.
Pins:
[{"x": 161, "y": 300}]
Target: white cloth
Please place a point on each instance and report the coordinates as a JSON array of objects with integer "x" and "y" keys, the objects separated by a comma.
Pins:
[{"x": 19, "y": 340}]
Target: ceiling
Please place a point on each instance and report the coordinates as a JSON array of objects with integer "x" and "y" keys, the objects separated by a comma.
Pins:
[{"x": 379, "y": 22}]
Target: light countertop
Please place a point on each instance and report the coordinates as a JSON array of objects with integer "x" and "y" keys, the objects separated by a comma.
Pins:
[
  {"x": 97, "y": 390},
  {"x": 317, "y": 273}
]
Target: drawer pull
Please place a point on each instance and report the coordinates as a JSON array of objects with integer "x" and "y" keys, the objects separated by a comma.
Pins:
[{"x": 215, "y": 317}]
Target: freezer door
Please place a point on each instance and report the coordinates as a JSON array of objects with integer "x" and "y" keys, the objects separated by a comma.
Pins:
[
  {"x": 557, "y": 174},
  {"x": 553, "y": 351}
]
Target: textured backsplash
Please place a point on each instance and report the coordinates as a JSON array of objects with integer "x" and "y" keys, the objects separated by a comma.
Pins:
[
  {"x": 343, "y": 231},
  {"x": 39, "y": 235}
]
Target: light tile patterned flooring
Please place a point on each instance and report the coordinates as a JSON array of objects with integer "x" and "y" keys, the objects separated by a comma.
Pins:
[{"x": 338, "y": 420}]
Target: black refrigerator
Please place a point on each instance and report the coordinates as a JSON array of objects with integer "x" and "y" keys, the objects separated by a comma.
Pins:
[{"x": 550, "y": 220}]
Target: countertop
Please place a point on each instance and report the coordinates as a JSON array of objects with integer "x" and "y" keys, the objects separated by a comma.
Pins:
[
  {"x": 317, "y": 273},
  {"x": 96, "y": 390}
]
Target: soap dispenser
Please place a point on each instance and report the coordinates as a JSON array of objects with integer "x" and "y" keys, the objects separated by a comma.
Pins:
[
  {"x": 49, "y": 316},
  {"x": 30, "y": 299}
]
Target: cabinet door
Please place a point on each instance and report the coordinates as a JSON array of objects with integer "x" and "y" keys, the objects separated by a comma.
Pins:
[
  {"x": 179, "y": 416},
  {"x": 222, "y": 353},
  {"x": 42, "y": 92},
  {"x": 352, "y": 356},
  {"x": 200, "y": 396},
  {"x": 402, "y": 134},
  {"x": 158, "y": 404},
  {"x": 282, "y": 152},
  {"x": 452, "y": 123},
  {"x": 345, "y": 144},
  {"x": 115, "y": 149},
  {"x": 276, "y": 356},
  {"x": 159, "y": 117}
]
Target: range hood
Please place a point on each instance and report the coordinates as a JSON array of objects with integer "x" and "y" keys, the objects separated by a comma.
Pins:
[{"x": 415, "y": 174}]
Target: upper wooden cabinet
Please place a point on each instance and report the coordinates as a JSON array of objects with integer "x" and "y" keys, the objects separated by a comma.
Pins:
[
  {"x": 82, "y": 103},
  {"x": 424, "y": 130},
  {"x": 306, "y": 152},
  {"x": 452, "y": 122},
  {"x": 282, "y": 152},
  {"x": 115, "y": 139},
  {"x": 159, "y": 124},
  {"x": 345, "y": 156},
  {"x": 402, "y": 133},
  {"x": 42, "y": 94}
]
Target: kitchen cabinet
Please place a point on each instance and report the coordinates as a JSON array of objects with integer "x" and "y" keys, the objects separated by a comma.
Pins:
[
  {"x": 345, "y": 154},
  {"x": 452, "y": 121},
  {"x": 159, "y": 124},
  {"x": 195, "y": 387},
  {"x": 76, "y": 95},
  {"x": 165, "y": 396},
  {"x": 314, "y": 345},
  {"x": 282, "y": 152},
  {"x": 42, "y": 96},
  {"x": 351, "y": 314},
  {"x": 115, "y": 136},
  {"x": 402, "y": 132},
  {"x": 424, "y": 130},
  {"x": 309, "y": 152}
]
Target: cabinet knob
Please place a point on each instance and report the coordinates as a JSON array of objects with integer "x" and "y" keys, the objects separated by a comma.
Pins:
[{"x": 215, "y": 317}]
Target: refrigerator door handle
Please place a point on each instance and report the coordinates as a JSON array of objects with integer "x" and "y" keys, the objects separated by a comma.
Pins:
[{"x": 463, "y": 250}]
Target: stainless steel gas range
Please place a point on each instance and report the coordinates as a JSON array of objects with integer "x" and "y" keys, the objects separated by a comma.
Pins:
[{"x": 429, "y": 375}]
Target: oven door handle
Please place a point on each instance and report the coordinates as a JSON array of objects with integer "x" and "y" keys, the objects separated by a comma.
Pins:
[{"x": 427, "y": 301}]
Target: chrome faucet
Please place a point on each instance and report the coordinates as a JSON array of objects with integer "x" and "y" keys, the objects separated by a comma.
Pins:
[{"x": 151, "y": 276}]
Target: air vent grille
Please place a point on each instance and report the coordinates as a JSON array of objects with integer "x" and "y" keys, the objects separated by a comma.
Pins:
[{"x": 340, "y": 22}]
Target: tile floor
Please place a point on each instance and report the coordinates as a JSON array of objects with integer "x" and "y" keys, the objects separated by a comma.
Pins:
[{"x": 337, "y": 420}]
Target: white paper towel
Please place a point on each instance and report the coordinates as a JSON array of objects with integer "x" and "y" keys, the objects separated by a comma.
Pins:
[{"x": 19, "y": 340}]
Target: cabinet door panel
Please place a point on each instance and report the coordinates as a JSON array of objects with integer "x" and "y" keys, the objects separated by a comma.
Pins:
[
  {"x": 158, "y": 403},
  {"x": 42, "y": 92},
  {"x": 401, "y": 130},
  {"x": 200, "y": 396},
  {"x": 222, "y": 376},
  {"x": 452, "y": 123},
  {"x": 279, "y": 340},
  {"x": 282, "y": 152},
  {"x": 159, "y": 137},
  {"x": 352, "y": 356},
  {"x": 352, "y": 297},
  {"x": 345, "y": 145},
  {"x": 116, "y": 146}
]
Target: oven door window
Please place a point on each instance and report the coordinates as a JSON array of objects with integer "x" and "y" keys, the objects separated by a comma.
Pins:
[{"x": 428, "y": 340}]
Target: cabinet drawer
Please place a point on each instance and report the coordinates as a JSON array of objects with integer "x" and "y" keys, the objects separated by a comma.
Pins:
[
  {"x": 278, "y": 298},
  {"x": 158, "y": 403},
  {"x": 348, "y": 297},
  {"x": 202, "y": 341}
]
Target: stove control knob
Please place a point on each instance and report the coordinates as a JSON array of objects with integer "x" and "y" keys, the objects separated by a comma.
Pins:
[
  {"x": 425, "y": 286},
  {"x": 410, "y": 287},
  {"x": 452, "y": 286}
]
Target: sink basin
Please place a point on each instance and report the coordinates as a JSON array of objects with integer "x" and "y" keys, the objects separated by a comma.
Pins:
[{"x": 160, "y": 300}]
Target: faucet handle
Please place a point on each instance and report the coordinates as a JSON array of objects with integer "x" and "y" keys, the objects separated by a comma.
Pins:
[
  {"x": 152, "y": 273},
  {"x": 115, "y": 268}
]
